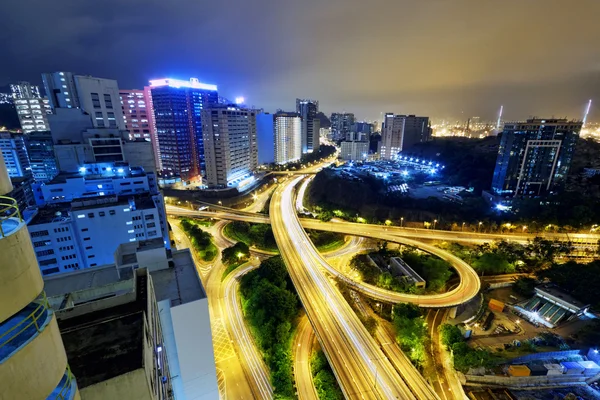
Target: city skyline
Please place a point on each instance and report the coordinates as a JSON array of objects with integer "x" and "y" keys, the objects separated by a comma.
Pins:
[{"x": 310, "y": 52}]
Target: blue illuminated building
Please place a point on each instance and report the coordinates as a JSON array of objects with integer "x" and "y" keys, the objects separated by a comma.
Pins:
[
  {"x": 177, "y": 109},
  {"x": 534, "y": 157},
  {"x": 265, "y": 136}
]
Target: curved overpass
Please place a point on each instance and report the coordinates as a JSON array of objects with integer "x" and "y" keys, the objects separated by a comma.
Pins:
[{"x": 469, "y": 280}]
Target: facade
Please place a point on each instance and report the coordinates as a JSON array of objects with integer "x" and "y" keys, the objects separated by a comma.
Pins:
[
  {"x": 341, "y": 126},
  {"x": 61, "y": 90},
  {"x": 6, "y": 98},
  {"x": 40, "y": 150},
  {"x": 311, "y": 125},
  {"x": 15, "y": 155},
  {"x": 25, "y": 90},
  {"x": 23, "y": 193},
  {"x": 534, "y": 157},
  {"x": 362, "y": 131},
  {"x": 230, "y": 146},
  {"x": 265, "y": 138},
  {"x": 354, "y": 151},
  {"x": 33, "y": 362},
  {"x": 177, "y": 113},
  {"x": 137, "y": 114},
  {"x": 401, "y": 133},
  {"x": 83, "y": 217},
  {"x": 288, "y": 137}
]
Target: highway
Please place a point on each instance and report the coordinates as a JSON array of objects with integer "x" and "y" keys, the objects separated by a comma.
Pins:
[
  {"x": 467, "y": 288},
  {"x": 360, "y": 366},
  {"x": 302, "y": 346}
]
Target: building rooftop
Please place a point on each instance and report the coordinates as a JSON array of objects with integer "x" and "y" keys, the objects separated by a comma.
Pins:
[
  {"x": 143, "y": 202},
  {"x": 51, "y": 213},
  {"x": 114, "y": 173},
  {"x": 556, "y": 292}
]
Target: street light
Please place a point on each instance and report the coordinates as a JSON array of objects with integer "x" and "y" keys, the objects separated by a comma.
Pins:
[
  {"x": 462, "y": 227},
  {"x": 524, "y": 228},
  {"x": 401, "y": 222},
  {"x": 220, "y": 202},
  {"x": 434, "y": 222},
  {"x": 479, "y": 226}
]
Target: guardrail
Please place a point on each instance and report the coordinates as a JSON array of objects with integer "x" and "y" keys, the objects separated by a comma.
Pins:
[
  {"x": 65, "y": 389},
  {"x": 8, "y": 209},
  {"x": 34, "y": 320}
]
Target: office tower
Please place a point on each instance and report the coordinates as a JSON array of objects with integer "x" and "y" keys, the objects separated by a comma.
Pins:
[
  {"x": 15, "y": 156},
  {"x": 362, "y": 131},
  {"x": 84, "y": 216},
  {"x": 311, "y": 125},
  {"x": 230, "y": 148},
  {"x": 98, "y": 97},
  {"x": 354, "y": 150},
  {"x": 25, "y": 90},
  {"x": 177, "y": 115},
  {"x": 60, "y": 89},
  {"x": 77, "y": 142},
  {"x": 33, "y": 362},
  {"x": 341, "y": 125},
  {"x": 265, "y": 138},
  {"x": 288, "y": 137},
  {"x": 42, "y": 160},
  {"x": 32, "y": 109},
  {"x": 534, "y": 156},
  {"x": 139, "y": 120},
  {"x": 401, "y": 133}
]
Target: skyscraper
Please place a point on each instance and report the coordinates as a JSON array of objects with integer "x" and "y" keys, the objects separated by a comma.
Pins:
[
  {"x": 534, "y": 156},
  {"x": 311, "y": 125},
  {"x": 177, "y": 114},
  {"x": 25, "y": 90},
  {"x": 42, "y": 160},
  {"x": 265, "y": 138},
  {"x": 32, "y": 109},
  {"x": 401, "y": 132},
  {"x": 60, "y": 89},
  {"x": 15, "y": 155},
  {"x": 230, "y": 148},
  {"x": 139, "y": 121},
  {"x": 33, "y": 362},
  {"x": 288, "y": 137},
  {"x": 341, "y": 125}
]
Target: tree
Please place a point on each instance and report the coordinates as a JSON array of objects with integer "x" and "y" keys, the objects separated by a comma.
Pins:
[
  {"x": 237, "y": 253},
  {"x": 524, "y": 285},
  {"x": 450, "y": 334},
  {"x": 492, "y": 264}
]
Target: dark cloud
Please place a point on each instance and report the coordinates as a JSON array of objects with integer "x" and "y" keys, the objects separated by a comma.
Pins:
[{"x": 447, "y": 59}]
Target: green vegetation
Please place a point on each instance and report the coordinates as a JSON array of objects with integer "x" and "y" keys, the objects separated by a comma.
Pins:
[
  {"x": 524, "y": 286},
  {"x": 580, "y": 280},
  {"x": 369, "y": 322},
  {"x": 323, "y": 377},
  {"x": 465, "y": 357},
  {"x": 201, "y": 240},
  {"x": 261, "y": 236},
  {"x": 271, "y": 307},
  {"x": 411, "y": 331},
  {"x": 433, "y": 269},
  {"x": 234, "y": 256},
  {"x": 257, "y": 235}
]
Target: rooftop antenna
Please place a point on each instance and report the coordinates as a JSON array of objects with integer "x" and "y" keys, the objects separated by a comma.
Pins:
[
  {"x": 499, "y": 118},
  {"x": 587, "y": 111}
]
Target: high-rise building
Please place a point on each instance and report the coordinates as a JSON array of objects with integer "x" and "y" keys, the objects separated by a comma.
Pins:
[
  {"x": 341, "y": 125},
  {"x": 177, "y": 115},
  {"x": 401, "y": 132},
  {"x": 6, "y": 98},
  {"x": 99, "y": 97},
  {"x": 32, "y": 109},
  {"x": 288, "y": 137},
  {"x": 354, "y": 151},
  {"x": 61, "y": 90},
  {"x": 33, "y": 362},
  {"x": 138, "y": 114},
  {"x": 534, "y": 156},
  {"x": 85, "y": 216},
  {"x": 25, "y": 90},
  {"x": 362, "y": 131},
  {"x": 230, "y": 148},
  {"x": 42, "y": 160},
  {"x": 265, "y": 138},
  {"x": 15, "y": 155},
  {"x": 311, "y": 125}
]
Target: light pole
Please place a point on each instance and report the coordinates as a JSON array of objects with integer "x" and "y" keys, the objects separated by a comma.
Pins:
[
  {"x": 479, "y": 226},
  {"x": 524, "y": 228},
  {"x": 462, "y": 228},
  {"x": 401, "y": 222},
  {"x": 434, "y": 222}
]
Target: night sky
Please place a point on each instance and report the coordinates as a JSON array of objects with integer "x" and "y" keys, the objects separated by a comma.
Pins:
[{"x": 442, "y": 58}]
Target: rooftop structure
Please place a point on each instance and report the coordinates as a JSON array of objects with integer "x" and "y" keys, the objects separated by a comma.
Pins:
[{"x": 400, "y": 268}]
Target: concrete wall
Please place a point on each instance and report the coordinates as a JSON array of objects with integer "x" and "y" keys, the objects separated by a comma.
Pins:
[
  {"x": 525, "y": 381},
  {"x": 35, "y": 370},
  {"x": 132, "y": 386},
  {"x": 546, "y": 356},
  {"x": 20, "y": 279}
]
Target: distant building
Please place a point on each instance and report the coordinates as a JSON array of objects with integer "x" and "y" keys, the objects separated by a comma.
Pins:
[
  {"x": 265, "y": 138},
  {"x": 84, "y": 216},
  {"x": 354, "y": 151},
  {"x": 361, "y": 131},
  {"x": 288, "y": 137},
  {"x": 61, "y": 90},
  {"x": 534, "y": 157},
  {"x": 15, "y": 156},
  {"x": 401, "y": 133},
  {"x": 25, "y": 90},
  {"x": 177, "y": 112},
  {"x": 6, "y": 98},
  {"x": 139, "y": 120},
  {"x": 40, "y": 149},
  {"x": 230, "y": 148},
  {"x": 308, "y": 110},
  {"x": 23, "y": 193},
  {"x": 341, "y": 126}
]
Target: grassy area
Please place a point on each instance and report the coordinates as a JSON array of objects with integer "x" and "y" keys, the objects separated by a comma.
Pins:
[
  {"x": 323, "y": 377},
  {"x": 201, "y": 240},
  {"x": 257, "y": 235}
]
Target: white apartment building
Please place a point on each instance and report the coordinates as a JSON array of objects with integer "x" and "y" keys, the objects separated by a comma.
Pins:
[
  {"x": 354, "y": 151},
  {"x": 288, "y": 137},
  {"x": 230, "y": 146}
]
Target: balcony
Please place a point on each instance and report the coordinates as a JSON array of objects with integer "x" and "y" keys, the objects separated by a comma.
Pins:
[
  {"x": 66, "y": 388},
  {"x": 10, "y": 216},
  {"x": 23, "y": 327}
]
